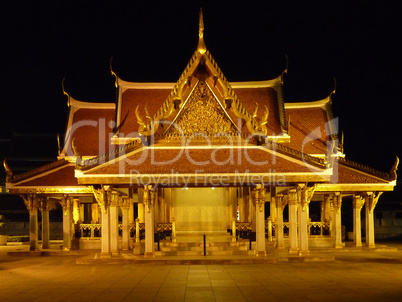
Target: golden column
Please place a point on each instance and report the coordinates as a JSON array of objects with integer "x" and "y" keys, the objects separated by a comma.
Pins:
[
  {"x": 305, "y": 195},
  {"x": 125, "y": 205},
  {"x": 258, "y": 195},
  {"x": 44, "y": 208},
  {"x": 102, "y": 196},
  {"x": 292, "y": 205},
  {"x": 358, "y": 203},
  {"x": 337, "y": 224},
  {"x": 114, "y": 222},
  {"x": 67, "y": 205},
  {"x": 149, "y": 196},
  {"x": 32, "y": 203},
  {"x": 371, "y": 202},
  {"x": 281, "y": 202}
]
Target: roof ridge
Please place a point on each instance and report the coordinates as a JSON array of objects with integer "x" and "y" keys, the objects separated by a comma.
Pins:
[
  {"x": 38, "y": 170},
  {"x": 317, "y": 161},
  {"x": 366, "y": 169},
  {"x": 92, "y": 162}
]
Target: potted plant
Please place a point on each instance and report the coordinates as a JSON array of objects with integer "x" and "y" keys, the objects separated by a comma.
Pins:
[{"x": 3, "y": 236}]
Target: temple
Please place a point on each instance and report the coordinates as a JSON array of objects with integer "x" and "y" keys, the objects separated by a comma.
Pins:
[{"x": 234, "y": 161}]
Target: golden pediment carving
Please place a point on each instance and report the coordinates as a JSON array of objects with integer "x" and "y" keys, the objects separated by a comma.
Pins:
[{"x": 202, "y": 115}]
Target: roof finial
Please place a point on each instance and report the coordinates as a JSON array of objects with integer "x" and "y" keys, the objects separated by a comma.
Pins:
[
  {"x": 9, "y": 173},
  {"x": 201, "y": 44},
  {"x": 116, "y": 84},
  {"x": 335, "y": 84},
  {"x": 65, "y": 92}
]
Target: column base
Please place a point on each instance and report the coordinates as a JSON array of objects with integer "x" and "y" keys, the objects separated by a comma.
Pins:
[
  {"x": 304, "y": 253},
  {"x": 137, "y": 250},
  {"x": 260, "y": 253},
  {"x": 293, "y": 250},
  {"x": 105, "y": 255},
  {"x": 115, "y": 253},
  {"x": 371, "y": 245},
  {"x": 149, "y": 254},
  {"x": 358, "y": 244}
]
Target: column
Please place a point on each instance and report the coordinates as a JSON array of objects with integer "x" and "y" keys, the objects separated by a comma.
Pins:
[
  {"x": 125, "y": 207},
  {"x": 44, "y": 207},
  {"x": 371, "y": 202},
  {"x": 358, "y": 202},
  {"x": 258, "y": 195},
  {"x": 292, "y": 205},
  {"x": 252, "y": 213},
  {"x": 32, "y": 204},
  {"x": 67, "y": 204},
  {"x": 167, "y": 195},
  {"x": 95, "y": 213},
  {"x": 103, "y": 197},
  {"x": 305, "y": 195},
  {"x": 114, "y": 223},
  {"x": 173, "y": 230},
  {"x": 337, "y": 224},
  {"x": 327, "y": 213},
  {"x": 244, "y": 206},
  {"x": 149, "y": 200},
  {"x": 76, "y": 210},
  {"x": 141, "y": 209},
  {"x": 280, "y": 205},
  {"x": 234, "y": 230},
  {"x": 137, "y": 243}
]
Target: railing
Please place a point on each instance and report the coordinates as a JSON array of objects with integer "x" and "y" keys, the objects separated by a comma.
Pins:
[
  {"x": 161, "y": 227},
  {"x": 243, "y": 226},
  {"x": 315, "y": 228},
  {"x": 318, "y": 228},
  {"x": 89, "y": 231}
]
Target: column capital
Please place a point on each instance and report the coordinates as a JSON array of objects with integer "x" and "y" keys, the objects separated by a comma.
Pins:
[
  {"x": 149, "y": 197},
  {"x": 102, "y": 196},
  {"x": 114, "y": 199},
  {"x": 125, "y": 203},
  {"x": 44, "y": 205},
  {"x": 66, "y": 203},
  {"x": 281, "y": 201},
  {"x": 258, "y": 196},
  {"x": 337, "y": 201},
  {"x": 305, "y": 194},
  {"x": 358, "y": 202},
  {"x": 31, "y": 201},
  {"x": 371, "y": 200},
  {"x": 292, "y": 197}
]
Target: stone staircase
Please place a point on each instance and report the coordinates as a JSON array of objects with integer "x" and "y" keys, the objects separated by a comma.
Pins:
[{"x": 193, "y": 245}]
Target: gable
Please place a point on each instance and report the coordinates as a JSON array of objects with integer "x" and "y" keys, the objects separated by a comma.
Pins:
[{"x": 202, "y": 115}]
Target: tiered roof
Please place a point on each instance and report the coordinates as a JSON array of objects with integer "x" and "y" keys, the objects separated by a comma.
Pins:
[{"x": 136, "y": 141}]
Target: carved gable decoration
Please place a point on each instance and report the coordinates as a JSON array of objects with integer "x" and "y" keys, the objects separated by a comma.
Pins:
[{"x": 202, "y": 115}]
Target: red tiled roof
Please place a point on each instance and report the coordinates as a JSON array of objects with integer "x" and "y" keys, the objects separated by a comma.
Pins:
[
  {"x": 61, "y": 174},
  {"x": 166, "y": 161},
  {"x": 307, "y": 130},
  {"x": 152, "y": 99},
  {"x": 265, "y": 96},
  {"x": 348, "y": 175},
  {"x": 92, "y": 131}
]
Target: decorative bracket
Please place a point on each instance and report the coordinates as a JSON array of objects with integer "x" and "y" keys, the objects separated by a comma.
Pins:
[
  {"x": 148, "y": 197},
  {"x": 258, "y": 195}
]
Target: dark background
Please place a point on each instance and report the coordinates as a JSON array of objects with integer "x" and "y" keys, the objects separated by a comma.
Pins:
[{"x": 356, "y": 42}]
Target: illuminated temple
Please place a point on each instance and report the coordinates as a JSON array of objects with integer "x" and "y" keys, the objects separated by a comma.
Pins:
[{"x": 168, "y": 162}]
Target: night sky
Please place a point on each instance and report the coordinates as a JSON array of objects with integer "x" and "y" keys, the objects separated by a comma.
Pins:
[{"x": 357, "y": 42}]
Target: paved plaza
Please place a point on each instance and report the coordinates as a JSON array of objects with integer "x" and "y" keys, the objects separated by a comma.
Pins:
[{"x": 353, "y": 276}]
